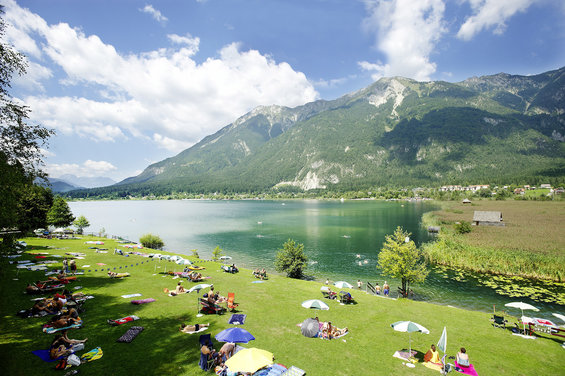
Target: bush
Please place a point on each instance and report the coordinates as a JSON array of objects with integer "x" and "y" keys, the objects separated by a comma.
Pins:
[
  {"x": 463, "y": 227},
  {"x": 151, "y": 241}
]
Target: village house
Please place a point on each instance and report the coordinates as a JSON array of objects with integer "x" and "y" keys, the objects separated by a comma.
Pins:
[{"x": 487, "y": 218}]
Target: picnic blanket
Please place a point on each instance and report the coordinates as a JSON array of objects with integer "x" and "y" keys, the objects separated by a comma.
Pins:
[
  {"x": 123, "y": 320},
  {"x": 44, "y": 355},
  {"x": 237, "y": 319},
  {"x": 143, "y": 301},
  {"x": 130, "y": 334},
  {"x": 131, "y": 295},
  {"x": 50, "y": 329},
  {"x": 467, "y": 370}
]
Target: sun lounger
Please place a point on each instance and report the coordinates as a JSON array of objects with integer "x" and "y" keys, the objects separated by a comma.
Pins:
[{"x": 208, "y": 307}]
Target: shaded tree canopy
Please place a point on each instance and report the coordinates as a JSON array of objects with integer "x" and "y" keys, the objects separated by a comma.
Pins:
[{"x": 60, "y": 214}]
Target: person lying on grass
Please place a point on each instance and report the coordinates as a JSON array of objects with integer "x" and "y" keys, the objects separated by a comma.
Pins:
[
  {"x": 63, "y": 321},
  {"x": 178, "y": 290},
  {"x": 62, "y": 345},
  {"x": 187, "y": 328},
  {"x": 195, "y": 276},
  {"x": 42, "y": 306}
]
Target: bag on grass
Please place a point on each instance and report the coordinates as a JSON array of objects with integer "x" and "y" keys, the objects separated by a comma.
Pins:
[{"x": 73, "y": 360}]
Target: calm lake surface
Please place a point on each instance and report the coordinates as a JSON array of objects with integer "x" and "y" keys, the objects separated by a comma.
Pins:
[{"x": 341, "y": 240}]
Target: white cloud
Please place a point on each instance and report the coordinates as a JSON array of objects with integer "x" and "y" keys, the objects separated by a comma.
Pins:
[
  {"x": 162, "y": 92},
  {"x": 154, "y": 13},
  {"x": 88, "y": 168},
  {"x": 491, "y": 14},
  {"x": 407, "y": 32}
]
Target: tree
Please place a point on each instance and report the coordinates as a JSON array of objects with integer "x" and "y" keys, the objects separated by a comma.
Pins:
[
  {"x": 151, "y": 241},
  {"x": 463, "y": 227},
  {"x": 33, "y": 206},
  {"x": 291, "y": 259},
  {"x": 20, "y": 144},
  {"x": 60, "y": 214},
  {"x": 217, "y": 253},
  {"x": 400, "y": 258},
  {"x": 195, "y": 253},
  {"x": 81, "y": 223}
]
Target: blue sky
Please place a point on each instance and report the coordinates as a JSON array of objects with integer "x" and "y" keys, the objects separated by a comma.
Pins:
[{"x": 128, "y": 83}]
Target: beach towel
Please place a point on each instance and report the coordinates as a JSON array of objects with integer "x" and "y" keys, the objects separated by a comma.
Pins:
[
  {"x": 44, "y": 355},
  {"x": 237, "y": 319},
  {"x": 100, "y": 264},
  {"x": 131, "y": 295},
  {"x": 434, "y": 366},
  {"x": 50, "y": 329},
  {"x": 257, "y": 281},
  {"x": 130, "y": 334},
  {"x": 123, "y": 320},
  {"x": 294, "y": 371},
  {"x": 93, "y": 354},
  {"x": 467, "y": 370},
  {"x": 404, "y": 355},
  {"x": 143, "y": 301}
]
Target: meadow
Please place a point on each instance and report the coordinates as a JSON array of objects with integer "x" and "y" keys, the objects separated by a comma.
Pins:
[
  {"x": 531, "y": 244},
  {"x": 273, "y": 310}
]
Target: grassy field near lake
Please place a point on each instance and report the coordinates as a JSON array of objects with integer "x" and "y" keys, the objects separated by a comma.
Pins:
[
  {"x": 273, "y": 310},
  {"x": 531, "y": 243}
]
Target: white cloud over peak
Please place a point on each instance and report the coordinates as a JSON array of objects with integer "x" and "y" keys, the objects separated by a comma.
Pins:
[
  {"x": 154, "y": 13},
  {"x": 161, "y": 95},
  {"x": 88, "y": 168},
  {"x": 491, "y": 14},
  {"x": 407, "y": 32}
]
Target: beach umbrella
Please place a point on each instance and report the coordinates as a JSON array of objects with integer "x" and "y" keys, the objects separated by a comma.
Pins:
[
  {"x": 225, "y": 258},
  {"x": 410, "y": 327},
  {"x": 234, "y": 335},
  {"x": 442, "y": 343},
  {"x": 315, "y": 303},
  {"x": 175, "y": 258},
  {"x": 522, "y": 307},
  {"x": 198, "y": 287},
  {"x": 310, "y": 327},
  {"x": 249, "y": 360},
  {"x": 183, "y": 262},
  {"x": 343, "y": 284}
]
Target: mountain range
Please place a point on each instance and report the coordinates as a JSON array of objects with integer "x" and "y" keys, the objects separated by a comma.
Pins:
[
  {"x": 69, "y": 182},
  {"x": 395, "y": 132}
]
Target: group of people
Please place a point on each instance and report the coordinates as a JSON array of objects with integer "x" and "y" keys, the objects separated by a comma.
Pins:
[
  {"x": 70, "y": 264},
  {"x": 385, "y": 289},
  {"x": 462, "y": 358},
  {"x": 178, "y": 290},
  {"x": 230, "y": 268},
  {"x": 262, "y": 274}
]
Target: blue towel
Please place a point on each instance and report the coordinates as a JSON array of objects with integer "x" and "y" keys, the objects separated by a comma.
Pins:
[
  {"x": 44, "y": 355},
  {"x": 237, "y": 319}
]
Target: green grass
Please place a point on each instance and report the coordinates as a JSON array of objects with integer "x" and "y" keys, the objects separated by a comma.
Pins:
[{"x": 273, "y": 310}]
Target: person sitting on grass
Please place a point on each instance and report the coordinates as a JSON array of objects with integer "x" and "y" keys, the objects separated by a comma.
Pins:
[
  {"x": 432, "y": 355},
  {"x": 62, "y": 345},
  {"x": 180, "y": 289},
  {"x": 463, "y": 358},
  {"x": 195, "y": 276},
  {"x": 186, "y": 328},
  {"x": 337, "y": 332},
  {"x": 62, "y": 321},
  {"x": 42, "y": 306},
  {"x": 227, "y": 351}
]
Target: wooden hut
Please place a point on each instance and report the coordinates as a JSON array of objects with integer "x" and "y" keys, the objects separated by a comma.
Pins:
[{"x": 487, "y": 218}]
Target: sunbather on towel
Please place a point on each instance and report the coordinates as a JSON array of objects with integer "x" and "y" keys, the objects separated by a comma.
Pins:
[
  {"x": 40, "y": 306},
  {"x": 186, "y": 328},
  {"x": 69, "y": 319},
  {"x": 180, "y": 289},
  {"x": 463, "y": 358}
]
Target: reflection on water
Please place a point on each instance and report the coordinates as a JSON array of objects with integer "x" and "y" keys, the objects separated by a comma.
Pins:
[{"x": 341, "y": 239}]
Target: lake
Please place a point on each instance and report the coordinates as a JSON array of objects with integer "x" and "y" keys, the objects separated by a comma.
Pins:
[{"x": 341, "y": 239}]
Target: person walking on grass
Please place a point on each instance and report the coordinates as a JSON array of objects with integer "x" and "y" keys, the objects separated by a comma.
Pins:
[
  {"x": 386, "y": 289},
  {"x": 359, "y": 284}
]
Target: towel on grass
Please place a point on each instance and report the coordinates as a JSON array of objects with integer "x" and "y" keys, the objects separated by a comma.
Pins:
[
  {"x": 404, "y": 355},
  {"x": 123, "y": 320},
  {"x": 100, "y": 264},
  {"x": 434, "y": 366},
  {"x": 237, "y": 319},
  {"x": 44, "y": 355},
  {"x": 467, "y": 370},
  {"x": 143, "y": 301},
  {"x": 131, "y": 295},
  {"x": 130, "y": 334},
  {"x": 50, "y": 329}
]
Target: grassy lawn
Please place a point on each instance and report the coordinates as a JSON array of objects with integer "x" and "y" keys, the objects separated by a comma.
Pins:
[{"x": 273, "y": 310}]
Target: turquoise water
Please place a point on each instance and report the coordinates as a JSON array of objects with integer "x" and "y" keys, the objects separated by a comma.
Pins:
[{"x": 341, "y": 239}]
